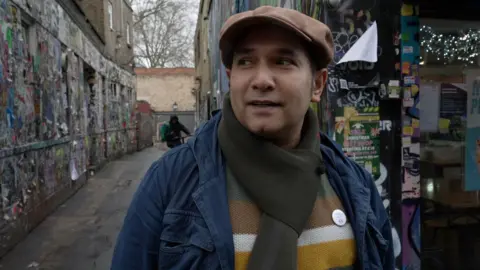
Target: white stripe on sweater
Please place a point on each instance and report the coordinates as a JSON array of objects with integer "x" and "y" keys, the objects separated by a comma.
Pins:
[{"x": 244, "y": 242}]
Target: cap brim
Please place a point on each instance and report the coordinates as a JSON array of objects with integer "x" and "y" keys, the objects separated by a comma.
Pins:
[{"x": 230, "y": 37}]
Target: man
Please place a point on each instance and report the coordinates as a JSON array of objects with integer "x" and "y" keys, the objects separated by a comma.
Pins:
[
  {"x": 171, "y": 132},
  {"x": 258, "y": 187}
]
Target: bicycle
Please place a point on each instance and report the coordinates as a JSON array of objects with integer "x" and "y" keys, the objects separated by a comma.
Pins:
[
  {"x": 176, "y": 141},
  {"x": 184, "y": 137}
]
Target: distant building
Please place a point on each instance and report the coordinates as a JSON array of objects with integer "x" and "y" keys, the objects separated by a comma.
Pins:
[{"x": 169, "y": 91}]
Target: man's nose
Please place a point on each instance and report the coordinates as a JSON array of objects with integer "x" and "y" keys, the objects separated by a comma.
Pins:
[{"x": 263, "y": 80}]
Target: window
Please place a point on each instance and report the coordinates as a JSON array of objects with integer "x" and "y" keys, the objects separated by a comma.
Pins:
[
  {"x": 25, "y": 34},
  {"x": 29, "y": 33},
  {"x": 128, "y": 33},
  {"x": 121, "y": 15},
  {"x": 110, "y": 14}
]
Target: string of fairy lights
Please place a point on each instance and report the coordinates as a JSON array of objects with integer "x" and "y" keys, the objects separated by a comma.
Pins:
[{"x": 463, "y": 46}]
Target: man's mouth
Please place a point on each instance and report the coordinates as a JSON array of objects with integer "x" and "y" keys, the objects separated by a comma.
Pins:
[{"x": 265, "y": 103}]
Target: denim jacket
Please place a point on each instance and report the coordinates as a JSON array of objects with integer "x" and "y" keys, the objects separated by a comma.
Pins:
[{"x": 179, "y": 217}]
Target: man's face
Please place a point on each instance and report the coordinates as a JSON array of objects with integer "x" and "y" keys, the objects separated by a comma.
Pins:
[{"x": 272, "y": 82}]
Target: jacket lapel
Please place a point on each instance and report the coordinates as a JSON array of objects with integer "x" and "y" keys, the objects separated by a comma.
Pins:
[{"x": 211, "y": 196}]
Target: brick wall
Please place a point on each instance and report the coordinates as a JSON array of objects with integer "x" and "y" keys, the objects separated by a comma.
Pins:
[{"x": 162, "y": 87}]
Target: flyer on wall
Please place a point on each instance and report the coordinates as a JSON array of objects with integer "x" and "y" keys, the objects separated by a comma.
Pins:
[
  {"x": 472, "y": 140},
  {"x": 358, "y": 132}
]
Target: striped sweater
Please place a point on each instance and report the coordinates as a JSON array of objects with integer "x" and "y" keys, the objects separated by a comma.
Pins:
[{"x": 322, "y": 246}]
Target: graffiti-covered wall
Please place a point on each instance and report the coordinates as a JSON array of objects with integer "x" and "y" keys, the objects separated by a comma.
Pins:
[
  {"x": 53, "y": 111},
  {"x": 220, "y": 11},
  {"x": 364, "y": 105},
  {"x": 363, "y": 98}
]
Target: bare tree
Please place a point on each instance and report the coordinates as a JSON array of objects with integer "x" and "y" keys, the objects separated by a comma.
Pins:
[{"x": 164, "y": 32}]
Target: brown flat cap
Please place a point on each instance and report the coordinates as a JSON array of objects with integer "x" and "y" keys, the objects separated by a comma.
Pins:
[{"x": 316, "y": 34}]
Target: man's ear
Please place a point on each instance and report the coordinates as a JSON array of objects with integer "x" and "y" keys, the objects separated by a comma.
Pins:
[
  {"x": 319, "y": 81},
  {"x": 228, "y": 72}
]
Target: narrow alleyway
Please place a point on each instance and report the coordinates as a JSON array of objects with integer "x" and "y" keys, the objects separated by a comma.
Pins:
[{"x": 81, "y": 234}]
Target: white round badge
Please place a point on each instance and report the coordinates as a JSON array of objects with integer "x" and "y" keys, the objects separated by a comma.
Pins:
[{"x": 339, "y": 217}]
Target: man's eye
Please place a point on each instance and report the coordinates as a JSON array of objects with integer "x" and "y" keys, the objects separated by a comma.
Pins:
[
  {"x": 243, "y": 62},
  {"x": 284, "y": 62}
]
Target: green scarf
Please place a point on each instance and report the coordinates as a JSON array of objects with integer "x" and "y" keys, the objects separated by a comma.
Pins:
[{"x": 282, "y": 182}]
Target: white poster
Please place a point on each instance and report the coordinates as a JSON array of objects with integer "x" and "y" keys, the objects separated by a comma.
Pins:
[{"x": 472, "y": 140}]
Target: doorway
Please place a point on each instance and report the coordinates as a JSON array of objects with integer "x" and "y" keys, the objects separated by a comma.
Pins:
[{"x": 450, "y": 193}]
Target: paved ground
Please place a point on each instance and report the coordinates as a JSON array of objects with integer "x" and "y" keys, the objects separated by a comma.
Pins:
[{"x": 81, "y": 234}]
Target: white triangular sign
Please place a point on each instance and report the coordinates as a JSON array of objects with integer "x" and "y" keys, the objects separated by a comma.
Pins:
[{"x": 365, "y": 49}]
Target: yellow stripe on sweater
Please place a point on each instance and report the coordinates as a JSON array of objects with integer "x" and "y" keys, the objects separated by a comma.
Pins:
[
  {"x": 245, "y": 242},
  {"x": 323, "y": 256}
]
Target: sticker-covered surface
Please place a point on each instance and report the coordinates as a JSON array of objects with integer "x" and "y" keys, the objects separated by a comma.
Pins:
[
  {"x": 410, "y": 60},
  {"x": 52, "y": 110}
]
